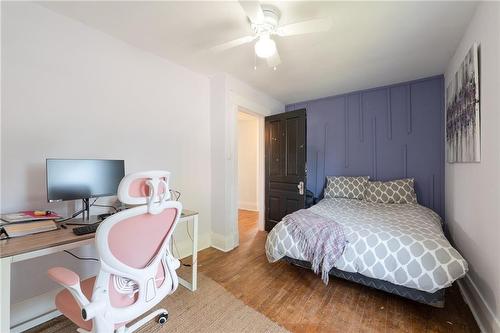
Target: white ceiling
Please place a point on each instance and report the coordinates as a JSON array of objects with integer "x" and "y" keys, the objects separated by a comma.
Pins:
[{"x": 371, "y": 43}]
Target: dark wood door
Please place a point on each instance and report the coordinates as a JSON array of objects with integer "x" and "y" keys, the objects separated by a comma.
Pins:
[{"x": 285, "y": 165}]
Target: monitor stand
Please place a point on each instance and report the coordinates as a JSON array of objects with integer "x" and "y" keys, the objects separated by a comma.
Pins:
[
  {"x": 86, "y": 218},
  {"x": 82, "y": 221}
]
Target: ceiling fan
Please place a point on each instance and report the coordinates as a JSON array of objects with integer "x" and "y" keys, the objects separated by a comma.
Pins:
[{"x": 264, "y": 20}]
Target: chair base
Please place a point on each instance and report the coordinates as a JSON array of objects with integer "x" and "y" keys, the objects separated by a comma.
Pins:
[
  {"x": 143, "y": 321},
  {"x": 134, "y": 327}
]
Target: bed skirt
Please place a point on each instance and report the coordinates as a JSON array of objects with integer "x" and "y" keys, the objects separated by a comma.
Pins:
[{"x": 435, "y": 299}]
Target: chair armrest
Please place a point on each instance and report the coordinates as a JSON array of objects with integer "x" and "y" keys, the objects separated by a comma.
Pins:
[
  {"x": 64, "y": 276},
  {"x": 71, "y": 281}
]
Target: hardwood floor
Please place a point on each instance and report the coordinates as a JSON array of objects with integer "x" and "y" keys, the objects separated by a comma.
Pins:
[{"x": 297, "y": 299}]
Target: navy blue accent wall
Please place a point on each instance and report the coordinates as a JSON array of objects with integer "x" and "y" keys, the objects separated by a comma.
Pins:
[{"x": 386, "y": 133}]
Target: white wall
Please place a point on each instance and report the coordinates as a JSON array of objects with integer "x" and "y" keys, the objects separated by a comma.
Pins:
[
  {"x": 219, "y": 156},
  {"x": 227, "y": 94},
  {"x": 264, "y": 104},
  {"x": 248, "y": 146},
  {"x": 473, "y": 190},
  {"x": 71, "y": 91}
]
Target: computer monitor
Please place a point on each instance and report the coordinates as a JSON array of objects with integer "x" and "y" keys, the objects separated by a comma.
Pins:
[{"x": 73, "y": 179}]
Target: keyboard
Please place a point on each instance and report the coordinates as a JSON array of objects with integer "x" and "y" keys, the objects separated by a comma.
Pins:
[
  {"x": 86, "y": 229},
  {"x": 102, "y": 217}
]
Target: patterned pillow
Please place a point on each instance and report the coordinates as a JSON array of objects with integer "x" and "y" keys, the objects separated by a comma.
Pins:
[
  {"x": 345, "y": 187},
  {"x": 395, "y": 191}
]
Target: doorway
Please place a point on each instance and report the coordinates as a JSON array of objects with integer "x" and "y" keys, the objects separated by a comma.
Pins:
[{"x": 249, "y": 159}]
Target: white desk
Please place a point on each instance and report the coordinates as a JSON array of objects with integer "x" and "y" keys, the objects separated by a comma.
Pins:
[
  {"x": 191, "y": 216},
  {"x": 42, "y": 244}
]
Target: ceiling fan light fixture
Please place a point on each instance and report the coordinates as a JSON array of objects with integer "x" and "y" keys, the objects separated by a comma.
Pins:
[{"x": 265, "y": 47}]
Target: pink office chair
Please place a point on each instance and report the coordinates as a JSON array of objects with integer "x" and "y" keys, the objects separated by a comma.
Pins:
[{"x": 137, "y": 269}]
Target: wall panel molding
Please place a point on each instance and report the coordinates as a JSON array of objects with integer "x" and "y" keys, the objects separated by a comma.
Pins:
[
  {"x": 433, "y": 191},
  {"x": 393, "y": 132},
  {"x": 317, "y": 173},
  {"x": 361, "y": 122},
  {"x": 374, "y": 147},
  {"x": 389, "y": 114},
  {"x": 405, "y": 160},
  {"x": 325, "y": 147},
  {"x": 346, "y": 133},
  {"x": 408, "y": 109}
]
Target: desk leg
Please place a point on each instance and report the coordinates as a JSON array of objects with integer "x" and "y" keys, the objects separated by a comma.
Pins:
[
  {"x": 194, "y": 277},
  {"x": 5, "y": 294}
]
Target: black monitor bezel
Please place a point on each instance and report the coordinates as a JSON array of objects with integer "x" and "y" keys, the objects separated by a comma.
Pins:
[{"x": 77, "y": 159}]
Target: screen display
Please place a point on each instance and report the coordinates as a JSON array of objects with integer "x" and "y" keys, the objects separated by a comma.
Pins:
[{"x": 81, "y": 179}]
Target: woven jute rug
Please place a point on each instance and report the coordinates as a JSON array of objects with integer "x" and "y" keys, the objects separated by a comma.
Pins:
[{"x": 210, "y": 309}]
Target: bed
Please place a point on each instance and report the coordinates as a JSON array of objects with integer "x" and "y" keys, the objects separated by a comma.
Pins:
[{"x": 398, "y": 248}]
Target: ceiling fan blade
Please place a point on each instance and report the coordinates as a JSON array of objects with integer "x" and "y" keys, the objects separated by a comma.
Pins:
[
  {"x": 253, "y": 11},
  {"x": 233, "y": 43},
  {"x": 305, "y": 27},
  {"x": 274, "y": 60}
]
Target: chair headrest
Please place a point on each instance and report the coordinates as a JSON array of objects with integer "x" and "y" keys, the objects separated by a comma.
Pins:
[{"x": 144, "y": 187}]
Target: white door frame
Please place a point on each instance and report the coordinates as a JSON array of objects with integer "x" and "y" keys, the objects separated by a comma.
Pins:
[
  {"x": 259, "y": 112},
  {"x": 256, "y": 120}
]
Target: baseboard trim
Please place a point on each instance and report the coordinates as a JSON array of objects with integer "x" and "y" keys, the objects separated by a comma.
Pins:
[
  {"x": 34, "y": 311},
  {"x": 486, "y": 320},
  {"x": 224, "y": 243},
  {"x": 252, "y": 206},
  {"x": 183, "y": 247},
  {"x": 35, "y": 321}
]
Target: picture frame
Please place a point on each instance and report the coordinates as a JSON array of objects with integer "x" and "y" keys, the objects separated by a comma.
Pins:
[{"x": 462, "y": 105}]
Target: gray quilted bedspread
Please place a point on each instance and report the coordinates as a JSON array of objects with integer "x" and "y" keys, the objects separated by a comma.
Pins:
[{"x": 400, "y": 243}]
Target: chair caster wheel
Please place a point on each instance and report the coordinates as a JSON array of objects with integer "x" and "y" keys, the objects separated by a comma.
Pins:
[{"x": 162, "y": 319}]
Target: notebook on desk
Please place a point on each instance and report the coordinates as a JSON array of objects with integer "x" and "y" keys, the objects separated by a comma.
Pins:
[
  {"x": 28, "y": 228},
  {"x": 28, "y": 215}
]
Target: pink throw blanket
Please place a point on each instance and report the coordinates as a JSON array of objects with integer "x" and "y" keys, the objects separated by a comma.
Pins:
[{"x": 321, "y": 239}]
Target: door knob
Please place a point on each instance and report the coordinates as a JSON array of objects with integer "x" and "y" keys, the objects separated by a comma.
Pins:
[{"x": 301, "y": 188}]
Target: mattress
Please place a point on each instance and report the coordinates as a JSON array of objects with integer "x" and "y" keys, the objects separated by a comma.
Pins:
[{"x": 403, "y": 244}]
